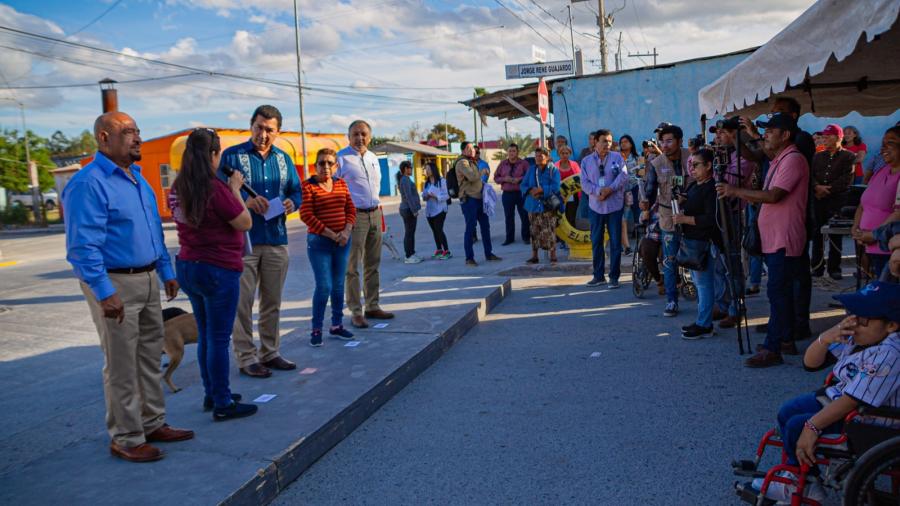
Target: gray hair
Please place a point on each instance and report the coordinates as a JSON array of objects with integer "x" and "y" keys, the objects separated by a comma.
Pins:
[{"x": 359, "y": 122}]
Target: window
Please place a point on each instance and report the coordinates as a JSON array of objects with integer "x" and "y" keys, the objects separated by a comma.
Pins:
[{"x": 165, "y": 175}]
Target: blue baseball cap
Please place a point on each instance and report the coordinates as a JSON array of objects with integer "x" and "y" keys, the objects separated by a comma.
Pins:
[{"x": 875, "y": 300}]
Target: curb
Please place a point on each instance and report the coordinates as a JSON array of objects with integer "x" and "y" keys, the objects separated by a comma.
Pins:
[{"x": 303, "y": 453}]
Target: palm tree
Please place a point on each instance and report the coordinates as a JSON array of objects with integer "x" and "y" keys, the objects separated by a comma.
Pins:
[{"x": 525, "y": 143}]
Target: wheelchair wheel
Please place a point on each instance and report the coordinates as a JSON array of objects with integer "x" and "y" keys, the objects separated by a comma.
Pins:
[{"x": 875, "y": 477}]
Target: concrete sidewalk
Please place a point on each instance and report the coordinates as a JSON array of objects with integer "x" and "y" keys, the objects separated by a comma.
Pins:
[{"x": 61, "y": 456}]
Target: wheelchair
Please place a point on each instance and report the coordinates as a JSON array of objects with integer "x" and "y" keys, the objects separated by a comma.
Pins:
[
  {"x": 640, "y": 274},
  {"x": 862, "y": 464}
]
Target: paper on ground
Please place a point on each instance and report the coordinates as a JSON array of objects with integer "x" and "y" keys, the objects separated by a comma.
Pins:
[
  {"x": 352, "y": 344},
  {"x": 380, "y": 326},
  {"x": 265, "y": 398}
]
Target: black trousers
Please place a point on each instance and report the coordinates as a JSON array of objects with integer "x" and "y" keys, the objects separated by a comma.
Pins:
[
  {"x": 409, "y": 232},
  {"x": 437, "y": 230},
  {"x": 514, "y": 201},
  {"x": 824, "y": 209}
]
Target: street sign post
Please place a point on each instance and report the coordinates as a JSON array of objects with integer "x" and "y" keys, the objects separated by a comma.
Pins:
[
  {"x": 543, "y": 107},
  {"x": 535, "y": 70}
]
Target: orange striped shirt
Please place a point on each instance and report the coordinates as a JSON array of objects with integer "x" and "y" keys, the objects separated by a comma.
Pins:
[{"x": 320, "y": 209}]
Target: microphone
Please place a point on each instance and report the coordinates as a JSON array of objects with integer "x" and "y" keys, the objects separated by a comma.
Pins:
[{"x": 228, "y": 171}]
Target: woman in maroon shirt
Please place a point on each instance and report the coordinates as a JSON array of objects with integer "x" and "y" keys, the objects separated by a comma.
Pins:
[
  {"x": 211, "y": 219},
  {"x": 329, "y": 215}
]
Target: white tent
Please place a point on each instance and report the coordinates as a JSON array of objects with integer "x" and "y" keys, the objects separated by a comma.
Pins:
[{"x": 838, "y": 56}]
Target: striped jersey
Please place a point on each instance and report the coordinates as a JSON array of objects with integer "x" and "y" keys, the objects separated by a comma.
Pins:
[
  {"x": 870, "y": 375},
  {"x": 320, "y": 209}
]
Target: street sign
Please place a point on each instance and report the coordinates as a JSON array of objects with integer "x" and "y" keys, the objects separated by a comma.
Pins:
[
  {"x": 535, "y": 70},
  {"x": 543, "y": 102}
]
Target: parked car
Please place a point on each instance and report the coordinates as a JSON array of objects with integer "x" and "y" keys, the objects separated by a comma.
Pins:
[{"x": 51, "y": 199}]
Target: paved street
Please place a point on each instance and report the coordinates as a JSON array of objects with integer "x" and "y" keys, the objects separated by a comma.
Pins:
[{"x": 519, "y": 411}]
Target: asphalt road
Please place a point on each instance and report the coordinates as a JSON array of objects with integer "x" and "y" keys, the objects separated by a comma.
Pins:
[{"x": 520, "y": 412}]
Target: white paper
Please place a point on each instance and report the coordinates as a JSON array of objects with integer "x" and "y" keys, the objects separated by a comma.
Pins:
[
  {"x": 264, "y": 398},
  {"x": 352, "y": 344},
  {"x": 380, "y": 326},
  {"x": 596, "y": 354},
  {"x": 309, "y": 370},
  {"x": 276, "y": 208}
]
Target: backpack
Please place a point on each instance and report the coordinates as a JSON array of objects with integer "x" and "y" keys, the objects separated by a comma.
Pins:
[{"x": 452, "y": 183}]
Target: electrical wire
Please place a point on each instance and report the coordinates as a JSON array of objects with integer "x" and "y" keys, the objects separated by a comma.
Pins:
[
  {"x": 526, "y": 23},
  {"x": 98, "y": 18}
]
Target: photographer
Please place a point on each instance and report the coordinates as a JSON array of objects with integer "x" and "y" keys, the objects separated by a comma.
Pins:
[
  {"x": 667, "y": 175},
  {"x": 832, "y": 173},
  {"x": 782, "y": 232}
]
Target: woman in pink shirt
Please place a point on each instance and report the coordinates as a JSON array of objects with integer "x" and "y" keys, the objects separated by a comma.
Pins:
[
  {"x": 853, "y": 142},
  {"x": 880, "y": 203},
  {"x": 566, "y": 166}
]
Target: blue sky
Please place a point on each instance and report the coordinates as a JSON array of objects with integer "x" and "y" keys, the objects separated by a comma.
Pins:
[{"x": 419, "y": 57}]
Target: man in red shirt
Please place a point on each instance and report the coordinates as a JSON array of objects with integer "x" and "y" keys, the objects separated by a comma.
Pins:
[
  {"x": 509, "y": 175},
  {"x": 782, "y": 226}
]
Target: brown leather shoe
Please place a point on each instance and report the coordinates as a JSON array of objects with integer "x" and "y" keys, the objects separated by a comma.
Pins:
[
  {"x": 169, "y": 434},
  {"x": 359, "y": 322},
  {"x": 729, "y": 322},
  {"x": 764, "y": 358},
  {"x": 256, "y": 370},
  {"x": 280, "y": 364},
  {"x": 379, "y": 314},
  {"x": 140, "y": 453}
]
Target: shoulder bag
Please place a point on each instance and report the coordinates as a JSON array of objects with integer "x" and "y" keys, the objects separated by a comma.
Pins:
[{"x": 553, "y": 201}]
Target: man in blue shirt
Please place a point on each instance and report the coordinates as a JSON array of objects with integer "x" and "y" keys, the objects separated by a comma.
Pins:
[
  {"x": 115, "y": 242},
  {"x": 271, "y": 174}
]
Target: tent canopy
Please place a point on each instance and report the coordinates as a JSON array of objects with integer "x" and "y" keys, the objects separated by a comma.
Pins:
[{"x": 838, "y": 56}]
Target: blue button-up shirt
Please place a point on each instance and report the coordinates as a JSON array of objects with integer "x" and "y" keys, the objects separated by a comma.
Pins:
[
  {"x": 270, "y": 177},
  {"x": 112, "y": 223},
  {"x": 549, "y": 183},
  {"x": 614, "y": 174}
]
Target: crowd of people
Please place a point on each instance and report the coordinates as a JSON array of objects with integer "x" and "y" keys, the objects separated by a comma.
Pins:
[{"x": 230, "y": 205}]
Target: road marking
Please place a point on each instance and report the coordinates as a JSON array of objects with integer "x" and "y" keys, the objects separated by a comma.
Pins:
[{"x": 8, "y": 264}]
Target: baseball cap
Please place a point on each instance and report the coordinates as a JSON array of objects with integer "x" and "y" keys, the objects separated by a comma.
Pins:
[
  {"x": 875, "y": 300},
  {"x": 832, "y": 129},
  {"x": 779, "y": 120},
  {"x": 715, "y": 128},
  {"x": 662, "y": 125}
]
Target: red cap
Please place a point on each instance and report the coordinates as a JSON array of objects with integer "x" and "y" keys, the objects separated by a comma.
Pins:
[{"x": 832, "y": 129}]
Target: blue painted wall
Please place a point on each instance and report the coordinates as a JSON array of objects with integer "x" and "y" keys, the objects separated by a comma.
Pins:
[{"x": 634, "y": 102}]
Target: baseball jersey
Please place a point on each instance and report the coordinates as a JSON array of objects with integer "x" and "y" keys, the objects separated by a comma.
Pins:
[{"x": 869, "y": 375}]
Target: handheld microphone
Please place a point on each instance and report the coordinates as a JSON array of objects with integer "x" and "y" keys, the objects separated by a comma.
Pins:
[{"x": 228, "y": 171}]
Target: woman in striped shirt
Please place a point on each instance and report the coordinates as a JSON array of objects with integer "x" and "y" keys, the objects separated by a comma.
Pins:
[{"x": 329, "y": 215}]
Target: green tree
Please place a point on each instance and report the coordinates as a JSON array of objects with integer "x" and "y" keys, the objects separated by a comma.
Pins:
[
  {"x": 13, "y": 166},
  {"x": 377, "y": 141},
  {"x": 525, "y": 143},
  {"x": 440, "y": 131},
  {"x": 61, "y": 145}
]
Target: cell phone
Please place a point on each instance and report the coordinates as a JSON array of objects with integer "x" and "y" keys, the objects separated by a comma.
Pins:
[{"x": 678, "y": 180}]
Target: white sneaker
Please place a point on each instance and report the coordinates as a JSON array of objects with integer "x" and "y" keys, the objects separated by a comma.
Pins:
[{"x": 412, "y": 260}]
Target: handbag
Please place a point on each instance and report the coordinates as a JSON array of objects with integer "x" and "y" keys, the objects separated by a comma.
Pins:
[
  {"x": 551, "y": 202},
  {"x": 693, "y": 254}
]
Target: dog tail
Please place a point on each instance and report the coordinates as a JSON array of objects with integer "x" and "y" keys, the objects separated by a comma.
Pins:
[{"x": 171, "y": 312}]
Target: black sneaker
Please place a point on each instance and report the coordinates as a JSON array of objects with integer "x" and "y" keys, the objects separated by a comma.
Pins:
[
  {"x": 340, "y": 333},
  {"x": 597, "y": 281},
  {"x": 697, "y": 332},
  {"x": 236, "y": 410},
  {"x": 493, "y": 258},
  {"x": 671, "y": 309},
  {"x": 836, "y": 275},
  {"x": 471, "y": 263},
  {"x": 208, "y": 402},
  {"x": 315, "y": 338}
]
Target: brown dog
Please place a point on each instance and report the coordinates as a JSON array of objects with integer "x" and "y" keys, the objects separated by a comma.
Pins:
[{"x": 181, "y": 329}]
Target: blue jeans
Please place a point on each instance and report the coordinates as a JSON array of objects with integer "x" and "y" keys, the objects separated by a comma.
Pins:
[
  {"x": 473, "y": 211},
  {"x": 514, "y": 201},
  {"x": 671, "y": 241},
  {"x": 784, "y": 271},
  {"x": 791, "y": 417},
  {"x": 213, "y": 292},
  {"x": 756, "y": 262},
  {"x": 706, "y": 285},
  {"x": 329, "y": 265},
  {"x": 600, "y": 223}
]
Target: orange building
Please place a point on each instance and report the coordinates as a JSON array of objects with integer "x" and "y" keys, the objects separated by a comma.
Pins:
[{"x": 161, "y": 156}]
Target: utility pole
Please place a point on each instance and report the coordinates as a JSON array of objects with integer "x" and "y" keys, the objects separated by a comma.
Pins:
[
  {"x": 619, "y": 53},
  {"x": 300, "y": 89},
  {"x": 475, "y": 120},
  {"x": 602, "y": 22},
  {"x": 446, "y": 131},
  {"x": 571, "y": 32},
  {"x": 506, "y": 129},
  {"x": 32, "y": 172},
  {"x": 654, "y": 54}
]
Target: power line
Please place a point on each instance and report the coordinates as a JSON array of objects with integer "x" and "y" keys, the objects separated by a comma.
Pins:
[
  {"x": 98, "y": 18},
  {"x": 640, "y": 25},
  {"x": 87, "y": 85},
  {"x": 539, "y": 34}
]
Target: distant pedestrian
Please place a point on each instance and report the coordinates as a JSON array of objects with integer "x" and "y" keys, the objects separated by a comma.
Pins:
[
  {"x": 409, "y": 210},
  {"x": 603, "y": 176},
  {"x": 436, "y": 198},
  {"x": 567, "y": 167},
  {"x": 359, "y": 168},
  {"x": 509, "y": 176},
  {"x": 329, "y": 214},
  {"x": 470, "y": 193},
  {"x": 585, "y": 152},
  {"x": 853, "y": 142},
  {"x": 270, "y": 172},
  {"x": 115, "y": 243},
  {"x": 539, "y": 183}
]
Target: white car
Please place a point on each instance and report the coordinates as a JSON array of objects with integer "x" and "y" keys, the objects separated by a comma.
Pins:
[{"x": 51, "y": 199}]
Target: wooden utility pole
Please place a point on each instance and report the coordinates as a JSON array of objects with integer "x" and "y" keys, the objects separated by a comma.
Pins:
[
  {"x": 300, "y": 90},
  {"x": 619, "y": 53},
  {"x": 601, "y": 21},
  {"x": 654, "y": 54}
]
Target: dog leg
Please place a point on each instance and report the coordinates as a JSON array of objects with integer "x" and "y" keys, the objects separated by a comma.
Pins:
[{"x": 174, "y": 360}]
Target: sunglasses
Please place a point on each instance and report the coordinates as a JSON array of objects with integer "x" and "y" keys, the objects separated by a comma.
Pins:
[{"x": 325, "y": 163}]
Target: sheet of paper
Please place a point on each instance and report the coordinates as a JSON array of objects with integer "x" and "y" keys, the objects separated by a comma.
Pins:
[
  {"x": 380, "y": 326},
  {"x": 352, "y": 344},
  {"x": 596, "y": 354},
  {"x": 264, "y": 398},
  {"x": 276, "y": 208},
  {"x": 309, "y": 370}
]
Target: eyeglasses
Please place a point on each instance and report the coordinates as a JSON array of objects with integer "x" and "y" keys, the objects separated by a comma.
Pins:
[{"x": 325, "y": 163}]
